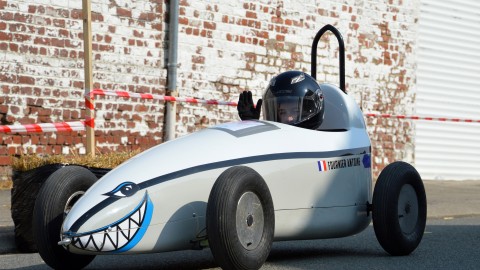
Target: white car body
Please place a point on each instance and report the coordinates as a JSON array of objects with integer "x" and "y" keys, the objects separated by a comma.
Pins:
[{"x": 320, "y": 182}]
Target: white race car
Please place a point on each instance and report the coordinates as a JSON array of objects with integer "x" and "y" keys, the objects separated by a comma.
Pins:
[{"x": 235, "y": 188}]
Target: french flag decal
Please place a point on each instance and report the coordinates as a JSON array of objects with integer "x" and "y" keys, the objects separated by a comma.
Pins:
[{"x": 322, "y": 165}]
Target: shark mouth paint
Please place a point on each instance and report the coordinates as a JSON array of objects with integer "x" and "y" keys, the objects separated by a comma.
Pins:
[{"x": 119, "y": 236}]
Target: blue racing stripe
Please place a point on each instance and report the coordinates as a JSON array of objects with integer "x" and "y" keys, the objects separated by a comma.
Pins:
[{"x": 217, "y": 165}]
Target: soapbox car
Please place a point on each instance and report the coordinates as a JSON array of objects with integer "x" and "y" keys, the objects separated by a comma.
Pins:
[{"x": 235, "y": 188}]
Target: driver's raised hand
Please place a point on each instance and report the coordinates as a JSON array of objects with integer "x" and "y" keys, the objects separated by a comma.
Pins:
[{"x": 245, "y": 107}]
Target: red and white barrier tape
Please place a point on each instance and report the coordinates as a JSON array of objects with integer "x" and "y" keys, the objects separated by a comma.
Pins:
[
  {"x": 100, "y": 92},
  {"x": 428, "y": 118},
  {"x": 44, "y": 127},
  {"x": 80, "y": 125},
  {"x": 117, "y": 93}
]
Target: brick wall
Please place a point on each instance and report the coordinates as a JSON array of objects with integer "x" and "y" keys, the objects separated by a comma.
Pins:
[
  {"x": 41, "y": 48},
  {"x": 224, "y": 47}
]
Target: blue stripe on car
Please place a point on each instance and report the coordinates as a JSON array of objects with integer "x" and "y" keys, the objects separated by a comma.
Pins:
[{"x": 220, "y": 164}]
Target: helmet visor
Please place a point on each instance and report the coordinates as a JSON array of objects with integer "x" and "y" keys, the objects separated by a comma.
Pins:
[
  {"x": 285, "y": 110},
  {"x": 292, "y": 109}
]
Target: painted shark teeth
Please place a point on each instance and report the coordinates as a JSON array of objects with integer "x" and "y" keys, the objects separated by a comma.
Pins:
[{"x": 112, "y": 237}]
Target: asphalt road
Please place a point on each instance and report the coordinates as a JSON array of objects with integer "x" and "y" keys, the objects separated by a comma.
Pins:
[{"x": 451, "y": 241}]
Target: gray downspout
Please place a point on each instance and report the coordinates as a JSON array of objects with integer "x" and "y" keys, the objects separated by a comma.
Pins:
[{"x": 171, "y": 109}]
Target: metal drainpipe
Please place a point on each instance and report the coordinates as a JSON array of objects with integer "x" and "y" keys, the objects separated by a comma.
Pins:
[{"x": 171, "y": 109}]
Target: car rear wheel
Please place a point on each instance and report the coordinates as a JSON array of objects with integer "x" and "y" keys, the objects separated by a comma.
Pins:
[
  {"x": 240, "y": 219},
  {"x": 55, "y": 199},
  {"x": 399, "y": 209}
]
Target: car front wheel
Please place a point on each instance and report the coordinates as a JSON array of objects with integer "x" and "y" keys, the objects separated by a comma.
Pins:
[
  {"x": 55, "y": 199},
  {"x": 240, "y": 219}
]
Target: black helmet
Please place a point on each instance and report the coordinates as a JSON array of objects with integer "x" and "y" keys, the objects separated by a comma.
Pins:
[{"x": 294, "y": 98}]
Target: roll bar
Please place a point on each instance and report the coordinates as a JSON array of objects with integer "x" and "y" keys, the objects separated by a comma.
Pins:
[{"x": 341, "y": 59}]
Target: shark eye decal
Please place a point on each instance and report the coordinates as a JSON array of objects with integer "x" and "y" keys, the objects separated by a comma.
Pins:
[{"x": 125, "y": 189}]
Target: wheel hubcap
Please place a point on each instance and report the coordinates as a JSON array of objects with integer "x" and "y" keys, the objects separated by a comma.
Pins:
[
  {"x": 71, "y": 201},
  {"x": 249, "y": 220},
  {"x": 68, "y": 206},
  {"x": 407, "y": 209}
]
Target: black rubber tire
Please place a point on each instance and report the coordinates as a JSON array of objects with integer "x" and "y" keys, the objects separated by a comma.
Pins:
[
  {"x": 234, "y": 187},
  {"x": 48, "y": 216},
  {"x": 399, "y": 209},
  {"x": 26, "y": 185}
]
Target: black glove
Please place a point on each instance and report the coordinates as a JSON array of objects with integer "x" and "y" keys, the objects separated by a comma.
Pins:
[{"x": 245, "y": 107}]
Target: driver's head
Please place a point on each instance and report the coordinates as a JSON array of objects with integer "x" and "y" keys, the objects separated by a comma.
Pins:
[
  {"x": 288, "y": 110},
  {"x": 294, "y": 98}
]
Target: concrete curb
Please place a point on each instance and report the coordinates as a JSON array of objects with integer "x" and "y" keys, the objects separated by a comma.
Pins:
[
  {"x": 452, "y": 198},
  {"x": 7, "y": 235}
]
